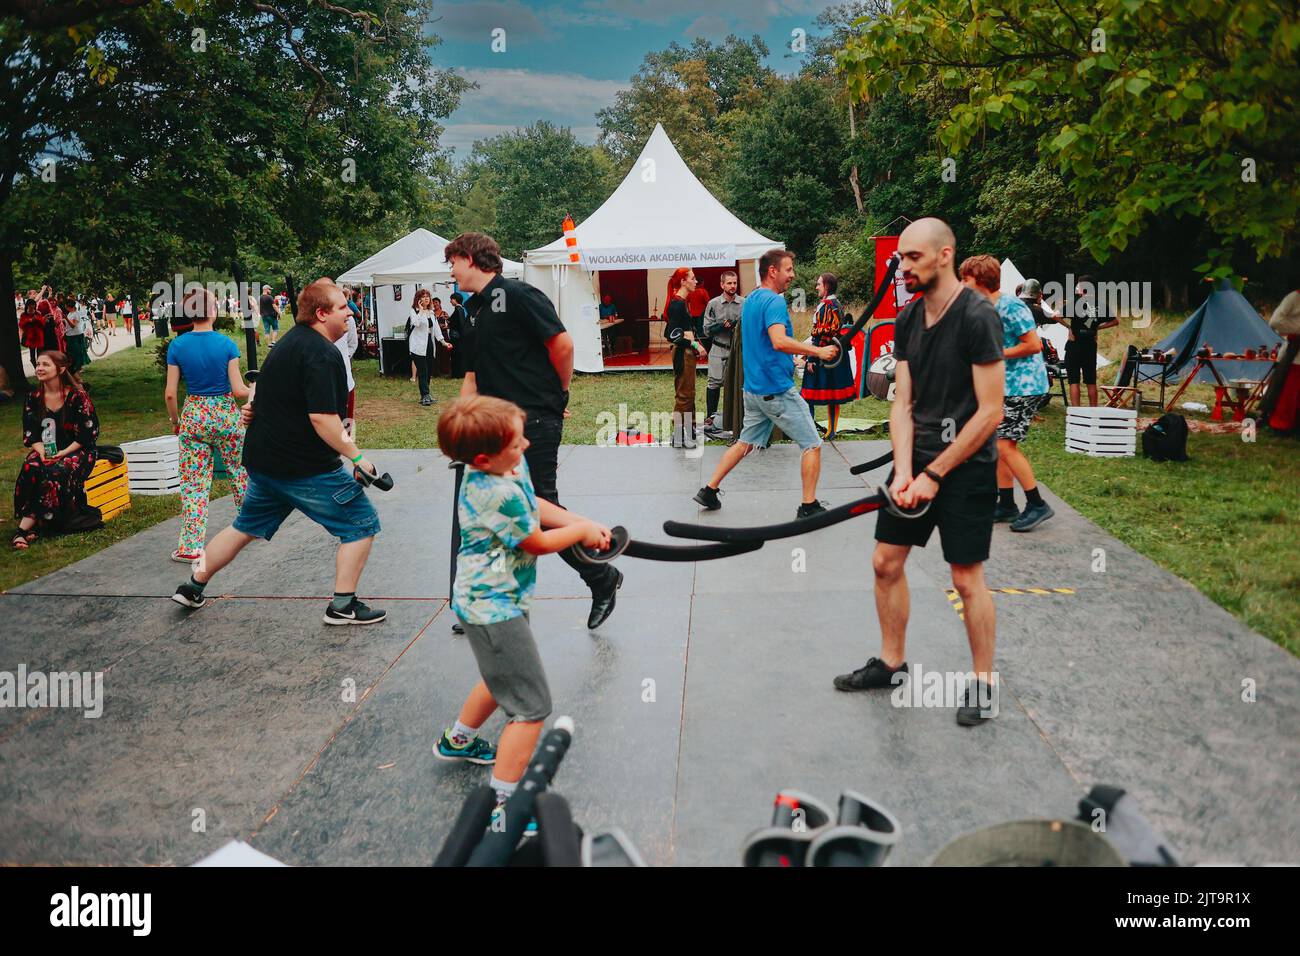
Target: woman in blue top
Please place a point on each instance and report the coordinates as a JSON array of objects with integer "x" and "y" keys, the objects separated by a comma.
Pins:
[{"x": 209, "y": 363}]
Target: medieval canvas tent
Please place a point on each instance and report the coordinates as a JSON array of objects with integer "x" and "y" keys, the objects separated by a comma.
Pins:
[
  {"x": 1227, "y": 323},
  {"x": 659, "y": 218}
]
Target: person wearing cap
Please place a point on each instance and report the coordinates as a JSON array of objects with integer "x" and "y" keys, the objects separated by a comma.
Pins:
[
  {"x": 1030, "y": 292},
  {"x": 270, "y": 313}
]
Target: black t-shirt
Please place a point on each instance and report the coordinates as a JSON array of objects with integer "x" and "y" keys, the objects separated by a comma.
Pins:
[
  {"x": 939, "y": 362},
  {"x": 679, "y": 322},
  {"x": 506, "y": 350},
  {"x": 1036, "y": 310},
  {"x": 1086, "y": 318},
  {"x": 302, "y": 375},
  {"x": 267, "y": 305}
]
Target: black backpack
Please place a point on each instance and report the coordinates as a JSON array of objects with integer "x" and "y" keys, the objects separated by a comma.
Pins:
[{"x": 1166, "y": 439}]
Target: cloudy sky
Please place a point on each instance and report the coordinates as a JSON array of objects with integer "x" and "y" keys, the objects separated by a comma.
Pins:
[{"x": 565, "y": 60}]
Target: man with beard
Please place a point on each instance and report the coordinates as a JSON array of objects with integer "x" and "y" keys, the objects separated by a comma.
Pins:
[
  {"x": 772, "y": 399},
  {"x": 947, "y": 405}
]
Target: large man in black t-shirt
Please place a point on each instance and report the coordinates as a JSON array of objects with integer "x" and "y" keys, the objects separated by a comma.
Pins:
[
  {"x": 947, "y": 405},
  {"x": 292, "y": 454},
  {"x": 520, "y": 351}
]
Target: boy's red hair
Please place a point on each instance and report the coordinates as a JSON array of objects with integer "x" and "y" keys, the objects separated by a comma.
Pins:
[{"x": 477, "y": 425}]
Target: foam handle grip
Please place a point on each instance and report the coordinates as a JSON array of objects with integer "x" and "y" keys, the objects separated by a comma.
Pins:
[{"x": 498, "y": 845}]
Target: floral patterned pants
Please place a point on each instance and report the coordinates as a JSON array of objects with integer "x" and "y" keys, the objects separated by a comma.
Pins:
[{"x": 208, "y": 423}]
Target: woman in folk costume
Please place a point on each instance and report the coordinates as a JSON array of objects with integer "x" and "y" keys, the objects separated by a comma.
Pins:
[
  {"x": 1281, "y": 406},
  {"x": 831, "y": 387}
]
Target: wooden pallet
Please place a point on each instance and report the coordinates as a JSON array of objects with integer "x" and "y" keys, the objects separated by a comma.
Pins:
[{"x": 108, "y": 489}]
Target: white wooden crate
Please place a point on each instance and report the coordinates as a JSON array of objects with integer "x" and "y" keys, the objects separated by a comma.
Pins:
[
  {"x": 1098, "y": 451},
  {"x": 1101, "y": 432},
  {"x": 153, "y": 465}
]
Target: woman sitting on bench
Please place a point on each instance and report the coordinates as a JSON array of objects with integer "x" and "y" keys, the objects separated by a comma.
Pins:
[{"x": 61, "y": 428}]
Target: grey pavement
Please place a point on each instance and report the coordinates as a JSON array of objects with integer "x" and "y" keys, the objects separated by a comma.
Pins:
[{"x": 707, "y": 691}]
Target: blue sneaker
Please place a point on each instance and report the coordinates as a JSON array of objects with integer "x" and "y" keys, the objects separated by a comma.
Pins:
[
  {"x": 477, "y": 751},
  {"x": 1032, "y": 517}
]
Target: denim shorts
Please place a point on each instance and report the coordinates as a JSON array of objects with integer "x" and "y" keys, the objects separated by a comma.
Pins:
[
  {"x": 788, "y": 411},
  {"x": 270, "y": 323},
  {"x": 334, "y": 500}
]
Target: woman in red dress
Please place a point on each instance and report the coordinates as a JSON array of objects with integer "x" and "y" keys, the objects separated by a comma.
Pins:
[{"x": 61, "y": 428}]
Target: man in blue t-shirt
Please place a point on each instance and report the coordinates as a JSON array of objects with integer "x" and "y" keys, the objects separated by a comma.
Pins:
[{"x": 771, "y": 397}]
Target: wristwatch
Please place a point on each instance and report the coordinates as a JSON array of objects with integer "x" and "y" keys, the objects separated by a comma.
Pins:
[{"x": 933, "y": 475}]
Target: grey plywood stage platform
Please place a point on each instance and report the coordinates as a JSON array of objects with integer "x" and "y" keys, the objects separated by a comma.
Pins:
[{"x": 239, "y": 710}]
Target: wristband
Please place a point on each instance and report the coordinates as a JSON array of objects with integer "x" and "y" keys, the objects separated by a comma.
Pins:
[
  {"x": 358, "y": 458},
  {"x": 933, "y": 476}
]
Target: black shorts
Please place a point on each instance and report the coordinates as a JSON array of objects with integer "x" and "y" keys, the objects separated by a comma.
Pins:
[
  {"x": 963, "y": 512},
  {"x": 1081, "y": 359}
]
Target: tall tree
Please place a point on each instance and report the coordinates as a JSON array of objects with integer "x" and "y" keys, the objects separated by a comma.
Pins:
[
  {"x": 696, "y": 92},
  {"x": 534, "y": 178},
  {"x": 1182, "y": 107},
  {"x": 783, "y": 174},
  {"x": 189, "y": 132}
]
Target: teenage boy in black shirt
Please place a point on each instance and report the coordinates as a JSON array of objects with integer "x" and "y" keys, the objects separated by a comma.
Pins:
[
  {"x": 947, "y": 404},
  {"x": 292, "y": 454},
  {"x": 1081, "y": 349},
  {"x": 520, "y": 351}
]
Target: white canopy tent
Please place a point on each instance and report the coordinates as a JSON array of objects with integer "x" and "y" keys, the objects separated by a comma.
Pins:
[
  {"x": 659, "y": 218},
  {"x": 1055, "y": 333},
  {"x": 395, "y": 270}
]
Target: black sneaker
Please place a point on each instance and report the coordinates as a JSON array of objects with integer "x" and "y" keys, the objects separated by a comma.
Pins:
[
  {"x": 1005, "y": 513},
  {"x": 809, "y": 509},
  {"x": 979, "y": 704},
  {"x": 1032, "y": 517},
  {"x": 187, "y": 595},
  {"x": 354, "y": 613},
  {"x": 872, "y": 675},
  {"x": 708, "y": 497}
]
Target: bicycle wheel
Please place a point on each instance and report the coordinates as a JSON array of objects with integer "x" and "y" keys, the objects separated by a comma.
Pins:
[{"x": 99, "y": 343}]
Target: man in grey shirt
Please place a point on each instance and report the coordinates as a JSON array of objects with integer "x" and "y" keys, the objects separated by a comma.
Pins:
[{"x": 721, "y": 319}]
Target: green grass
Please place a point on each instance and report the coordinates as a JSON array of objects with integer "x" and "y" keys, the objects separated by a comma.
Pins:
[{"x": 1226, "y": 521}]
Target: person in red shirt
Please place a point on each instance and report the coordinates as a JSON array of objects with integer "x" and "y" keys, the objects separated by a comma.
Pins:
[{"x": 31, "y": 327}]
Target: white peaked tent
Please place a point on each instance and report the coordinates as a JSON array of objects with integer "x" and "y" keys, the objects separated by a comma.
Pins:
[
  {"x": 659, "y": 218},
  {"x": 1056, "y": 333},
  {"x": 416, "y": 257}
]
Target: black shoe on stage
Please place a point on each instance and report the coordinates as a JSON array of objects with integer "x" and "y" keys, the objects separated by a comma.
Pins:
[
  {"x": 1005, "y": 513},
  {"x": 808, "y": 509},
  {"x": 708, "y": 497},
  {"x": 602, "y": 601},
  {"x": 971, "y": 711},
  {"x": 187, "y": 595},
  {"x": 458, "y": 628},
  {"x": 872, "y": 675}
]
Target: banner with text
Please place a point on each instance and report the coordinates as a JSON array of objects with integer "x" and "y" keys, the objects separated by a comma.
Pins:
[{"x": 661, "y": 257}]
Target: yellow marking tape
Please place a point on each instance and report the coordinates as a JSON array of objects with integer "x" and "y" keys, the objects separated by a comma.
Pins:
[{"x": 959, "y": 606}]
